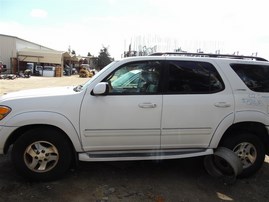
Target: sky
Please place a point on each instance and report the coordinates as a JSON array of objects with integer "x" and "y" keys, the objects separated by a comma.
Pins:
[{"x": 227, "y": 26}]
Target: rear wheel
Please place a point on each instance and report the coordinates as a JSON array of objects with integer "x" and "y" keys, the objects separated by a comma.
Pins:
[
  {"x": 249, "y": 149},
  {"x": 42, "y": 154}
]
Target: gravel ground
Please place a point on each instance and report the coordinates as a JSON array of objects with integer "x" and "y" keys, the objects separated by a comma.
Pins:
[{"x": 159, "y": 181}]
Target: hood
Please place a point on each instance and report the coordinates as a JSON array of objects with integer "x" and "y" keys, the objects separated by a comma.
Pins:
[
  {"x": 60, "y": 100},
  {"x": 40, "y": 92}
]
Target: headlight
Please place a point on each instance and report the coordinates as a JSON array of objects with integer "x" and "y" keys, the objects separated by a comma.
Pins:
[{"x": 4, "y": 111}]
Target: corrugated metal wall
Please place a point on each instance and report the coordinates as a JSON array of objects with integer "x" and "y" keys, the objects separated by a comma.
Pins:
[
  {"x": 9, "y": 45},
  {"x": 7, "y": 49}
]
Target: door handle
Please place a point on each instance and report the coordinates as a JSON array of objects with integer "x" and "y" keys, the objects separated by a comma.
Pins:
[
  {"x": 147, "y": 105},
  {"x": 222, "y": 104}
]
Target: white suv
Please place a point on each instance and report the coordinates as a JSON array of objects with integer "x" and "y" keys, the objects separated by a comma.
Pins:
[{"x": 142, "y": 108}]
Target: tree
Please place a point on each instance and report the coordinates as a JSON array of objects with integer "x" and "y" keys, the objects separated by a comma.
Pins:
[
  {"x": 104, "y": 58},
  {"x": 73, "y": 52},
  {"x": 89, "y": 54}
]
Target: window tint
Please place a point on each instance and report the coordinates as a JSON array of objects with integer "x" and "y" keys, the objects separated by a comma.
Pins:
[
  {"x": 256, "y": 77},
  {"x": 135, "y": 78},
  {"x": 189, "y": 77}
]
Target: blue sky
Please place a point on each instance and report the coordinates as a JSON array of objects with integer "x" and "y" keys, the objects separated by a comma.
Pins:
[{"x": 87, "y": 25}]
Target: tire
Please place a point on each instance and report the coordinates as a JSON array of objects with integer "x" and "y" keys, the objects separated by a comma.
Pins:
[
  {"x": 249, "y": 149},
  {"x": 42, "y": 154},
  {"x": 223, "y": 164}
]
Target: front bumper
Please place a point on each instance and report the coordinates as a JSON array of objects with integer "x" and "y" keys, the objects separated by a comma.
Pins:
[{"x": 5, "y": 132}]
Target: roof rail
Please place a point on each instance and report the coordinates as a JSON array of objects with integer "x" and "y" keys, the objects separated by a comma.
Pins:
[{"x": 210, "y": 55}]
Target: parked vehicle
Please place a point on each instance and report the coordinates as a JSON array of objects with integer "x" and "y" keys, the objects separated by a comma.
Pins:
[
  {"x": 3, "y": 67},
  {"x": 30, "y": 66},
  {"x": 142, "y": 108},
  {"x": 38, "y": 70},
  {"x": 48, "y": 71}
]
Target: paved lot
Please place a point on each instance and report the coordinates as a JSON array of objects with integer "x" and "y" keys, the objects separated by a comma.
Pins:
[{"x": 159, "y": 181}]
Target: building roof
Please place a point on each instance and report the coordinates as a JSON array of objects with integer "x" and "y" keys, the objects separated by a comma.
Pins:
[
  {"x": 44, "y": 56},
  {"x": 40, "y": 56},
  {"x": 25, "y": 41}
]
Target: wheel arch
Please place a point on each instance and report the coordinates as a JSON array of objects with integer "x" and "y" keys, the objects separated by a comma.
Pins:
[
  {"x": 25, "y": 121},
  {"x": 20, "y": 131},
  {"x": 256, "y": 128}
]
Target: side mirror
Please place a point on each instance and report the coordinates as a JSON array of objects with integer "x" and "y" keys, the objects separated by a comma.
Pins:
[{"x": 100, "y": 88}]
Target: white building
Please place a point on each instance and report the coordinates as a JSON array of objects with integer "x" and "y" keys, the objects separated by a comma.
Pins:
[{"x": 16, "y": 52}]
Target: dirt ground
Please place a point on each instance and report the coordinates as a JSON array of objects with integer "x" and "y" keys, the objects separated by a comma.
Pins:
[
  {"x": 39, "y": 82},
  {"x": 159, "y": 181}
]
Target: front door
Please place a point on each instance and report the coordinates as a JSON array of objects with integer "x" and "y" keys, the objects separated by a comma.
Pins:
[{"x": 128, "y": 117}]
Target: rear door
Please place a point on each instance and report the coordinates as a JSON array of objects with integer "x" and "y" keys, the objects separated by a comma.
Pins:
[{"x": 196, "y": 100}]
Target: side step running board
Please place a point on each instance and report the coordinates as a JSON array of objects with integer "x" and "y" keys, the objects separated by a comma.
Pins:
[{"x": 142, "y": 155}]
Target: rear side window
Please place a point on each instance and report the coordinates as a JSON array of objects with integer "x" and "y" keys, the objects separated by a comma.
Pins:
[
  {"x": 191, "y": 77},
  {"x": 256, "y": 77}
]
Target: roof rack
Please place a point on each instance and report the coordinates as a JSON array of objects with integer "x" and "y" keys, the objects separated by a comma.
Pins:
[{"x": 210, "y": 55}]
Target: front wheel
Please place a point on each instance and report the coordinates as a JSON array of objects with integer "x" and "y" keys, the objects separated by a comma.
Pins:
[
  {"x": 42, "y": 154},
  {"x": 249, "y": 149}
]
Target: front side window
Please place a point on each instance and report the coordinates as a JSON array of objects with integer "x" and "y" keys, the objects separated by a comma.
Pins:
[
  {"x": 135, "y": 78},
  {"x": 256, "y": 77},
  {"x": 191, "y": 77}
]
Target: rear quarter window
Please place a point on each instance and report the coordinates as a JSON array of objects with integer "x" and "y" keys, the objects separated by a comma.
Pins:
[{"x": 256, "y": 77}]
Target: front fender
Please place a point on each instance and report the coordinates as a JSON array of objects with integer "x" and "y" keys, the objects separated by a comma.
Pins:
[{"x": 48, "y": 118}]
